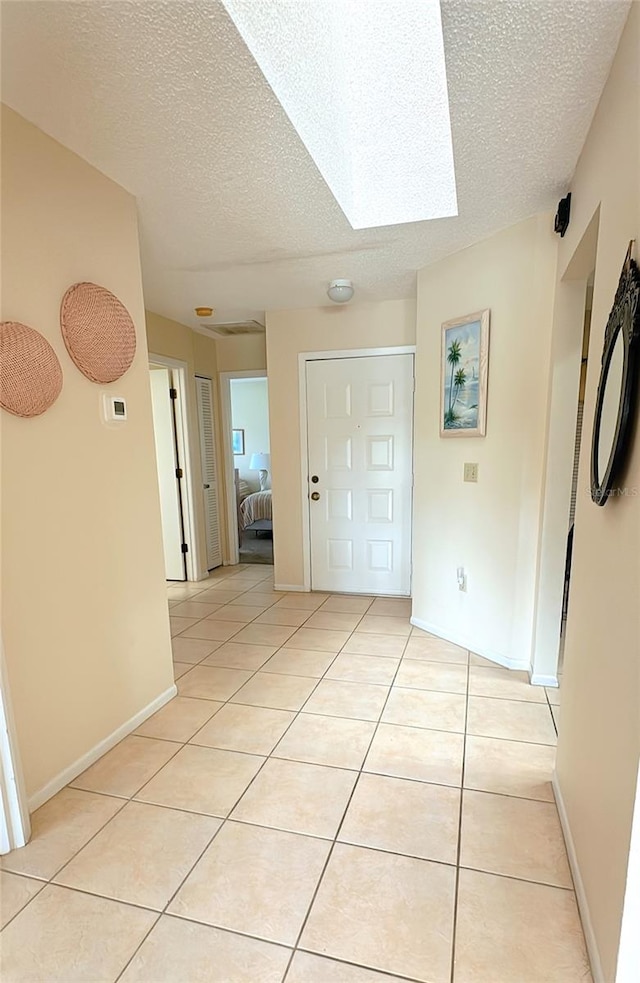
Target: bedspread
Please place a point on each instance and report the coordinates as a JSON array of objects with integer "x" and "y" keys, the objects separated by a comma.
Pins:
[{"x": 254, "y": 507}]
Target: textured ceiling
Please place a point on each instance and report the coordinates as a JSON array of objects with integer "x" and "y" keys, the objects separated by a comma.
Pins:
[
  {"x": 385, "y": 151},
  {"x": 166, "y": 100}
]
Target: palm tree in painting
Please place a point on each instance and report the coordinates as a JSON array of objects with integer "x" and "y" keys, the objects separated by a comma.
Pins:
[
  {"x": 460, "y": 381},
  {"x": 453, "y": 357}
]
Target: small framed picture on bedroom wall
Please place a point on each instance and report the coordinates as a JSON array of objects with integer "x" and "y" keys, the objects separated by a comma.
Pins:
[
  {"x": 237, "y": 441},
  {"x": 463, "y": 376}
]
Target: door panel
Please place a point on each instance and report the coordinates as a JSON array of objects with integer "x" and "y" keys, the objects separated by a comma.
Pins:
[
  {"x": 167, "y": 463},
  {"x": 360, "y": 433}
]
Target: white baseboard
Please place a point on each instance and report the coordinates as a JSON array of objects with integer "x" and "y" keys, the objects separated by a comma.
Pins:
[
  {"x": 581, "y": 895},
  {"x": 465, "y": 643},
  {"x": 537, "y": 679},
  {"x": 291, "y": 587},
  {"x": 81, "y": 764}
]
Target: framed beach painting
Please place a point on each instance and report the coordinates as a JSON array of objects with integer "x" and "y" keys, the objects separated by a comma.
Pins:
[
  {"x": 237, "y": 441},
  {"x": 463, "y": 376}
]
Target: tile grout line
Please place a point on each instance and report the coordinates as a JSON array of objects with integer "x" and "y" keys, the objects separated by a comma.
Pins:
[
  {"x": 454, "y": 925},
  {"x": 341, "y": 822},
  {"x": 224, "y": 819},
  {"x": 131, "y": 798},
  {"x": 313, "y": 836},
  {"x": 43, "y": 884},
  {"x": 206, "y": 848},
  {"x": 332, "y": 716},
  {"x": 125, "y": 801},
  {"x": 163, "y": 910},
  {"x": 360, "y": 771},
  {"x": 260, "y": 939},
  {"x": 50, "y": 880},
  {"x": 191, "y": 598},
  {"x": 353, "y": 682},
  {"x": 353, "y": 631},
  {"x": 260, "y": 668},
  {"x": 182, "y": 744},
  {"x": 553, "y": 719},
  {"x": 273, "y": 755},
  {"x": 314, "y": 611},
  {"x": 225, "y": 702},
  {"x": 94, "y": 894},
  {"x": 345, "y": 962},
  {"x": 197, "y": 621}
]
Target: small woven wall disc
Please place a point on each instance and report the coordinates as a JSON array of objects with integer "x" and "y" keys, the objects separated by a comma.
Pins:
[
  {"x": 98, "y": 332},
  {"x": 30, "y": 373}
]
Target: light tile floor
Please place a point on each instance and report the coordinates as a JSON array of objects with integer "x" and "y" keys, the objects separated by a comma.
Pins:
[{"x": 333, "y": 797}]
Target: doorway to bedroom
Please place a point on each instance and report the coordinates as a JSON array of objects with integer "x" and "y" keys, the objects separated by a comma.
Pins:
[{"x": 248, "y": 467}]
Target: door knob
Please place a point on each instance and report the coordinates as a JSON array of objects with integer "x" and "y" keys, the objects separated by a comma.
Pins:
[
  {"x": 207, "y": 486},
  {"x": 315, "y": 496}
]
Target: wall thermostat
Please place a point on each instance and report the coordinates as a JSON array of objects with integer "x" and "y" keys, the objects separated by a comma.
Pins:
[{"x": 114, "y": 407}]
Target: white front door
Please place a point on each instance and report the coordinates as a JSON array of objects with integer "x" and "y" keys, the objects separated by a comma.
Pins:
[{"x": 360, "y": 436}]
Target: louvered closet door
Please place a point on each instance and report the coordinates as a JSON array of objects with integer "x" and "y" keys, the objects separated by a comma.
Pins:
[{"x": 211, "y": 492}]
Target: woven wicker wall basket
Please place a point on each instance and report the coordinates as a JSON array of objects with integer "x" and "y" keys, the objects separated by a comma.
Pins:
[
  {"x": 98, "y": 332},
  {"x": 30, "y": 373}
]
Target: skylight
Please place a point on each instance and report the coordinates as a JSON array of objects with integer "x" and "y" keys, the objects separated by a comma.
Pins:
[{"x": 364, "y": 84}]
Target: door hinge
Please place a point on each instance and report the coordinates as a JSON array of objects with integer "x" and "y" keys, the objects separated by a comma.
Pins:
[
  {"x": 179, "y": 473},
  {"x": 173, "y": 393},
  {"x": 184, "y": 548}
]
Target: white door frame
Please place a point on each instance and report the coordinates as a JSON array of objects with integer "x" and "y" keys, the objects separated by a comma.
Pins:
[
  {"x": 303, "y": 358},
  {"x": 564, "y": 385},
  {"x": 181, "y": 377},
  {"x": 219, "y": 478},
  {"x": 628, "y": 964},
  {"x": 15, "y": 828},
  {"x": 231, "y": 508}
]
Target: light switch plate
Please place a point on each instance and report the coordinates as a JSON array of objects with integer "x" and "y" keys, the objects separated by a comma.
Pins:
[{"x": 471, "y": 472}]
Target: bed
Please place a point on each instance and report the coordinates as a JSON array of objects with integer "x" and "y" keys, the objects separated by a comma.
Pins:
[{"x": 255, "y": 512}]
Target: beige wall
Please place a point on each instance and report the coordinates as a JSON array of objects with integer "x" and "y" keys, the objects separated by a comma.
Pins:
[
  {"x": 490, "y": 528},
  {"x": 242, "y": 353},
  {"x": 599, "y": 742},
  {"x": 84, "y": 614},
  {"x": 315, "y": 329}
]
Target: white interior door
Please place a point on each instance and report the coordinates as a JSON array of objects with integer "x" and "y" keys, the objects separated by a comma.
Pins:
[
  {"x": 360, "y": 436},
  {"x": 168, "y": 481},
  {"x": 204, "y": 388}
]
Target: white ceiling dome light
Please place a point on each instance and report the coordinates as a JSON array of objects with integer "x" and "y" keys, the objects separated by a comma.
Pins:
[{"x": 340, "y": 291}]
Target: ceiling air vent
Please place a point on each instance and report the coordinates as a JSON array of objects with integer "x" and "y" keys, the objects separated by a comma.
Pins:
[{"x": 231, "y": 329}]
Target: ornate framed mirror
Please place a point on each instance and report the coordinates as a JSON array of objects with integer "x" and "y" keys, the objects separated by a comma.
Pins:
[{"x": 617, "y": 388}]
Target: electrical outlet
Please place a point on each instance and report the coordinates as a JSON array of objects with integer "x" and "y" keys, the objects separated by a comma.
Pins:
[
  {"x": 471, "y": 472},
  {"x": 462, "y": 578}
]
